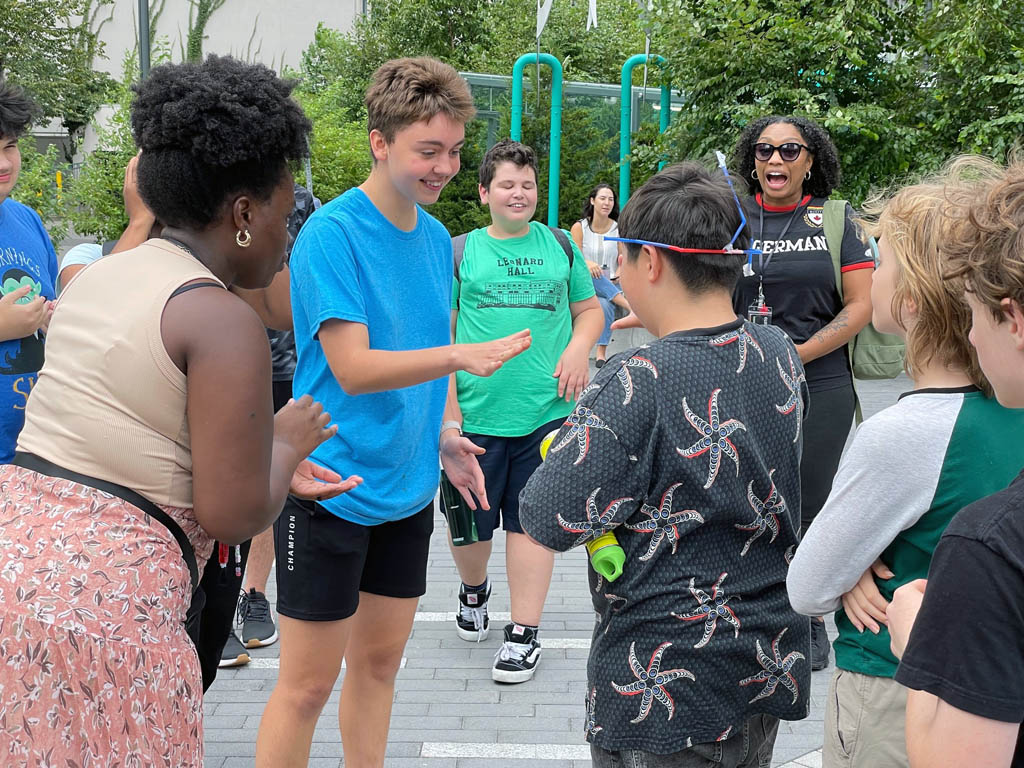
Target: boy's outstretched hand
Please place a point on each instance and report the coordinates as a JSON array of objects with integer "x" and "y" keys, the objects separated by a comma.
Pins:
[
  {"x": 458, "y": 458},
  {"x": 485, "y": 358},
  {"x": 572, "y": 372},
  {"x": 629, "y": 321},
  {"x": 311, "y": 481}
]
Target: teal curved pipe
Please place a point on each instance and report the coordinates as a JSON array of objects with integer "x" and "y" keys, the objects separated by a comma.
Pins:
[
  {"x": 626, "y": 117},
  {"x": 516, "y": 131}
]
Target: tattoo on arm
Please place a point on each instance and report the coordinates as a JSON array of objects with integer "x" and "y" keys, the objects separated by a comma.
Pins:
[{"x": 839, "y": 324}]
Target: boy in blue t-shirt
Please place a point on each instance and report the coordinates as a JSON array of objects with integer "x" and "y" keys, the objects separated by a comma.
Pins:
[
  {"x": 28, "y": 271},
  {"x": 371, "y": 276}
]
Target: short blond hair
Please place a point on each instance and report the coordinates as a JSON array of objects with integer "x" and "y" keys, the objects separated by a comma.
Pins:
[
  {"x": 917, "y": 222},
  {"x": 986, "y": 246},
  {"x": 406, "y": 91}
]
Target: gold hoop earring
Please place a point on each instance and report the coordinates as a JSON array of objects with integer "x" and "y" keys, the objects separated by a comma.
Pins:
[
  {"x": 243, "y": 242},
  {"x": 753, "y": 173}
]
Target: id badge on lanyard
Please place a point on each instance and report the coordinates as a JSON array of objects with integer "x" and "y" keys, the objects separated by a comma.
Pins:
[{"x": 759, "y": 312}]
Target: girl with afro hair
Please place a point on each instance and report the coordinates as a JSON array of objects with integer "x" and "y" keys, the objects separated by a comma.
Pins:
[
  {"x": 791, "y": 167},
  {"x": 157, "y": 380}
]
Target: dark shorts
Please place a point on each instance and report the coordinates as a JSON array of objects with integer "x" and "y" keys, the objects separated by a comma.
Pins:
[
  {"x": 324, "y": 562},
  {"x": 750, "y": 747},
  {"x": 507, "y": 465}
]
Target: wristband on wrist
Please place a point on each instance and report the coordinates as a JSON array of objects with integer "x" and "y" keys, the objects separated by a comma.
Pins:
[{"x": 445, "y": 426}]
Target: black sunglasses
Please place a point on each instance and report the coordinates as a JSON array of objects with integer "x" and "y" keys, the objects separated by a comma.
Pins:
[{"x": 789, "y": 151}]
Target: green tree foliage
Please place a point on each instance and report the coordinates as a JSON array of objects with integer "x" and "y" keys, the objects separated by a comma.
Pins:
[
  {"x": 586, "y": 156},
  {"x": 593, "y": 55},
  {"x": 480, "y": 36},
  {"x": 49, "y": 48},
  {"x": 974, "y": 51},
  {"x": 900, "y": 86},
  {"x": 96, "y": 201},
  {"x": 339, "y": 148},
  {"x": 843, "y": 65},
  {"x": 199, "y": 13},
  {"x": 41, "y": 186}
]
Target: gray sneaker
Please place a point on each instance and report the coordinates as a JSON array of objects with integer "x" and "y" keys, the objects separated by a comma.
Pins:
[
  {"x": 257, "y": 622},
  {"x": 234, "y": 654}
]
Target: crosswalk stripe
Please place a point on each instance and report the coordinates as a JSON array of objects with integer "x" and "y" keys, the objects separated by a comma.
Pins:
[
  {"x": 275, "y": 663},
  {"x": 506, "y": 751},
  {"x": 439, "y": 616}
]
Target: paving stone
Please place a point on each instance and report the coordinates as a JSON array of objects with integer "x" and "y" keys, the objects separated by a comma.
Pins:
[
  {"x": 469, "y": 709},
  {"x": 445, "y": 695}
]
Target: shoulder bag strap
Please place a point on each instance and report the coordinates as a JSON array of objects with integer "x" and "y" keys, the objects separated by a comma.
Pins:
[{"x": 44, "y": 467}]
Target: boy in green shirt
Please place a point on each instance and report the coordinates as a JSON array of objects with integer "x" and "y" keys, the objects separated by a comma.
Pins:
[{"x": 514, "y": 274}]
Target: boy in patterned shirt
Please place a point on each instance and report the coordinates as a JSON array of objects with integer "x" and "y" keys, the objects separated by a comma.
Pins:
[{"x": 688, "y": 449}]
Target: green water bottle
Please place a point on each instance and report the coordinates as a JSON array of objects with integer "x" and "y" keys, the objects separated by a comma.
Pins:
[
  {"x": 461, "y": 519},
  {"x": 606, "y": 556}
]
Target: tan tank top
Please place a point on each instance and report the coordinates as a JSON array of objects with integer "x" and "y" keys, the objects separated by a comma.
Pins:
[{"x": 109, "y": 402}]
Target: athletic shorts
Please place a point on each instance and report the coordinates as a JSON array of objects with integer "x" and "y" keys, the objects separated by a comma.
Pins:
[
  {"x": 507, "y": 465},
  {"x": 324, "y": 562}
]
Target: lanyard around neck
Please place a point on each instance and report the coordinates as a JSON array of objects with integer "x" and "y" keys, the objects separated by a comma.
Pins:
[{"x": 762, "y": 262}]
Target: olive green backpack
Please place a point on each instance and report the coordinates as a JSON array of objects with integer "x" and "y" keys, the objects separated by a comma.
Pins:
[{"x": 873, "y": 355}]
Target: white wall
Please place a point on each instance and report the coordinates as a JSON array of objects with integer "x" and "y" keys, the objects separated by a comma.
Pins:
[
  {"x": 283, "y": 30},
  {"x": 280, "y": 30}
]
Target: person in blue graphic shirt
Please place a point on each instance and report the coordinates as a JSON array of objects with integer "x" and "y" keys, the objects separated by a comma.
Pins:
[{"x": 28, "y": 271}]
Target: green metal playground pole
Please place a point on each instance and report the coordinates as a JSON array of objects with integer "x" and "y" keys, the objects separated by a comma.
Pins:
[
  {"x": 626, "y": 117},
  {"x": 516, "y": 131}
]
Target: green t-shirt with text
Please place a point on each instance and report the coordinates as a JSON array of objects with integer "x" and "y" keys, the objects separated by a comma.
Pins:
[{"x": 504, "y": 286}]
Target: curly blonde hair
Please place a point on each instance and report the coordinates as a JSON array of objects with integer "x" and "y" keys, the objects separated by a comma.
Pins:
[{"x": 917, "y": 223}]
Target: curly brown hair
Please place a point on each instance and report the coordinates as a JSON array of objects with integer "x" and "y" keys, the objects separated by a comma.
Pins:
[{"x": 986, "y": 245}]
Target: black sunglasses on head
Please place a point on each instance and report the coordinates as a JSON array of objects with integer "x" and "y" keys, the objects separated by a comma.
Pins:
[{"x": 789, "y": 151}]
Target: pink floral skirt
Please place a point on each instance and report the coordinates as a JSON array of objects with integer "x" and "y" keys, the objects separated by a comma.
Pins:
[{"x": 96, "y": 669}]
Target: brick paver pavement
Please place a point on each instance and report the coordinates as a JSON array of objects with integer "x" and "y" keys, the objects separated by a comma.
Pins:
[{"x": 448, "y": 713}]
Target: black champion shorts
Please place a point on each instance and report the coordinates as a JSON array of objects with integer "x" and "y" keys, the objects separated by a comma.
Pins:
[{"x": 324, "y": 562}]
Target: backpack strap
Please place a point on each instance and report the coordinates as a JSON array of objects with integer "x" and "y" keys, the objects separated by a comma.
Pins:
[
  {"x": 563, "y": 240},
  {"x": 834, "y": 225},
  {"x": 458, "y": 250}
]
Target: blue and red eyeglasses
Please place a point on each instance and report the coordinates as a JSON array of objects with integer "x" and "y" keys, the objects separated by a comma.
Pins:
[{"x": 728, "y": 249}]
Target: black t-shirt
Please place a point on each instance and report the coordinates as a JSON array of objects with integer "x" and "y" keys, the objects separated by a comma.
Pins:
[
  {"x": 967, "y": 645},
  {"x": 799, "y": 280},
  {"x": 689, "y": 449}
]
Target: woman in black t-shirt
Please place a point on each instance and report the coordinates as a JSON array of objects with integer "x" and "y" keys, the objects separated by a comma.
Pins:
[{"x": 791, "y": 167}]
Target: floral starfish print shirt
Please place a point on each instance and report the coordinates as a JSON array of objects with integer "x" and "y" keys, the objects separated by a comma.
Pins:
[{"x": 689, "y": 450}]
